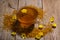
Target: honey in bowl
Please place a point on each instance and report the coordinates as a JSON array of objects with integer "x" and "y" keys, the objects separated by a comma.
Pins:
[{"x": 27, "y": 15}]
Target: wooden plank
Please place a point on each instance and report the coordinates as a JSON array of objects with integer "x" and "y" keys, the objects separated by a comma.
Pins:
[
  {"x": 21, "y": 3},
  {"x": 57, "y": 11},
  {"x": 12, "y": 4},
  {"x": 52, "y": 8},
  {"x": 32, "y": 3},
  {"x": 40, "y": 3},
  {"x": 5, "y": 9},
  {"x": 2, "y": 7}
]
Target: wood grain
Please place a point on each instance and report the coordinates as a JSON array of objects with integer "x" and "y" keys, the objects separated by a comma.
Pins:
[{"x": 51, "y": 8}]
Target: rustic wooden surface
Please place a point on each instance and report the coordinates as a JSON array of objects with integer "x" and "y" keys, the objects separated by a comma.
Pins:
[{"x": 51, "y": 8}]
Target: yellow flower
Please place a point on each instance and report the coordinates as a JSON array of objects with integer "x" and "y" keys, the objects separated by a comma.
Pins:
[
  {"x": 41, "y": 34},
  {"x": 13, "y": 33},
  {"x": 23, "y": 35},
  {"x": 37, "y": 37},
  {"x": 40, "y": 26},
  {"x": 54, "y": 25},
  {"x": 24, "y": 10},
  {"x": 52, "y": 19},
  {"x": 14, "y": 17}
]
